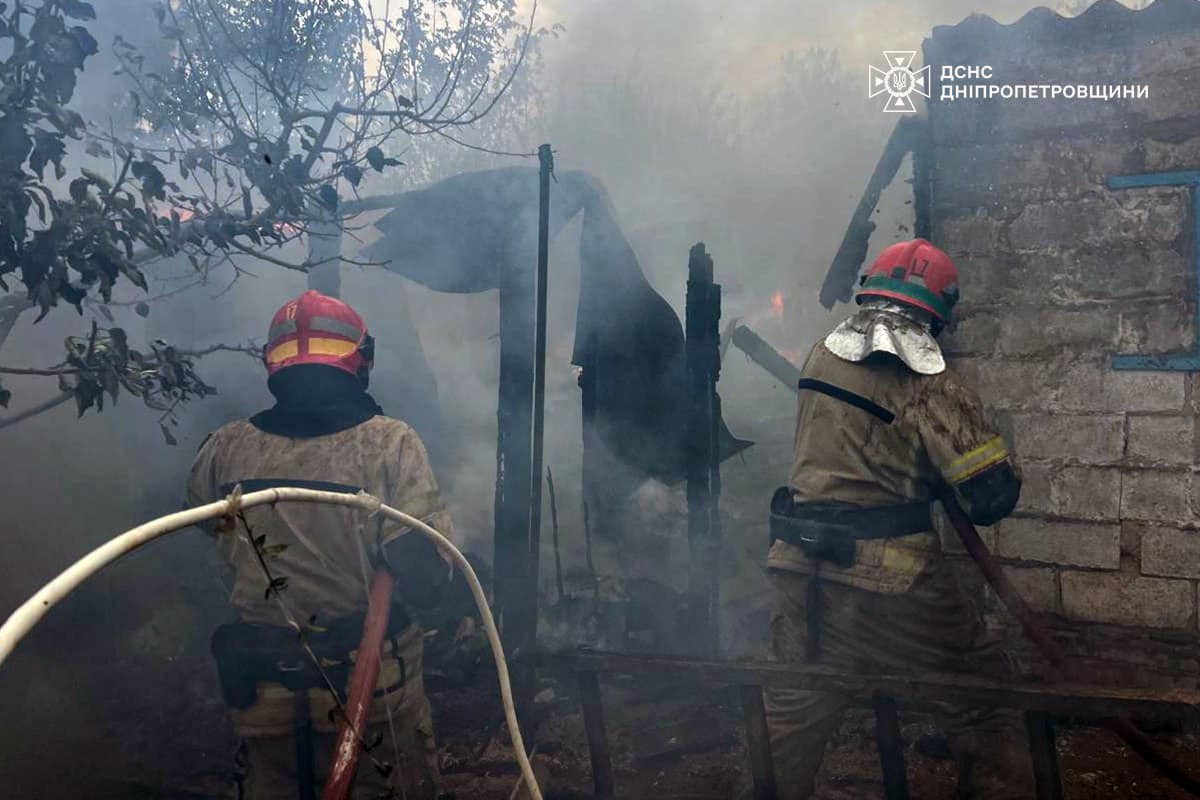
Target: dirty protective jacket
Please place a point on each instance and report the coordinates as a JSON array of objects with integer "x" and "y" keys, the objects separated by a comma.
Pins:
[
  {"x": 326, "y": 553},
  {"x": 938, "y": 435}
]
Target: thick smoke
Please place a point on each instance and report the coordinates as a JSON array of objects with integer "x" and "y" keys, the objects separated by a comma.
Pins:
[{"x": 743, "y": 125}]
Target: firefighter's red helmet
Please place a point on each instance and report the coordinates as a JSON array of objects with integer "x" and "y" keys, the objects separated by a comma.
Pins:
[
  {"x": 318, "y": 329},
  {"x": 915, "y": 273}
]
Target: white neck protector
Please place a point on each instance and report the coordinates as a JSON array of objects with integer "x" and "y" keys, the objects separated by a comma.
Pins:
[{"x": 884, "y": 326}]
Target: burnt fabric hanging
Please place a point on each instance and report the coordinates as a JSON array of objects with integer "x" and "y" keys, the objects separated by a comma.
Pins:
[{"x": 459, "y": 234}]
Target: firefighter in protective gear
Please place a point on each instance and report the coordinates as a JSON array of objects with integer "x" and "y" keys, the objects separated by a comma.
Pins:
[
  {"x": 324, "y": 432},
  {"x": 859, "y": 582}
]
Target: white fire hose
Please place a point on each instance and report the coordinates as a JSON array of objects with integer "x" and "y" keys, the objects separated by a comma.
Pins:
[{"x": 21, "y": 621}]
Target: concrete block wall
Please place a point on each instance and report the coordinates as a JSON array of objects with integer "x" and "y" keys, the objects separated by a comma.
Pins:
[{"x": 1059, "y": 273}]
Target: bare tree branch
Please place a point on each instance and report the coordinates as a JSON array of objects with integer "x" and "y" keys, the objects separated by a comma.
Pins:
[
  {"x": 46, "y": 373},
  {"x": 33, "y": 411},
  {"x": 249, "y": 350},
  {"x": 255, "y": 128}
]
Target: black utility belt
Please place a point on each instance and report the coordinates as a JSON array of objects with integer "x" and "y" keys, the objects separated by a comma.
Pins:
[
  {"x": 829, "y": 531},
  {"x": 248, "y": 653}
]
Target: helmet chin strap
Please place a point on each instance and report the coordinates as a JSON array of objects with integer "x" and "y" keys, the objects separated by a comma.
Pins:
[{"x": 367, "y": 351}]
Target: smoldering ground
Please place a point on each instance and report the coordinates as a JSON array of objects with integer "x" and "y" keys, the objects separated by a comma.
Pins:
[{"x": 741, "y": 125}]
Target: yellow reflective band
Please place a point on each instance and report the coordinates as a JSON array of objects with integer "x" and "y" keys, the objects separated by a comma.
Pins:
[
  {"x": 982, "y": 451},
  {"x": 330, "y": 347},
  {"x": 903, "y": 560},
  {"x": 283, "y": 352},
  {"x": 974, "y": 462}
]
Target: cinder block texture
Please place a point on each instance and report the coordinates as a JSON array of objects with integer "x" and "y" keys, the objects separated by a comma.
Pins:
[
  {"x": 1037, "y": 585},
  {"x": 1128, "y": 599},
  {"x": 1085, "y": 438},
  {"x": 1170, "y": 552},
  {"x": 1168, "y": 440},
  {"x": 1069, "y": 543},
  {"x": 1155, "y": 495}
]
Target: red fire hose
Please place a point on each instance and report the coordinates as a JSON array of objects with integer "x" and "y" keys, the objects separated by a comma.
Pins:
[
  {"x": 362, "y": 689},
  {"x": 1139, "y": 742}
]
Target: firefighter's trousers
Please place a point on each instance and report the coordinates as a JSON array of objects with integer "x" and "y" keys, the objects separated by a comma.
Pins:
[
  {"x": 271, "y": 765},
  {"x": 400, "y": 721},
  {"x": 929, "y": 628}
]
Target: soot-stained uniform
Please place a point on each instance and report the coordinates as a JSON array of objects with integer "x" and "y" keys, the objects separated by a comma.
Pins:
[
  {"x": 939, "y": 436},
  {"x": 328, "y": 557},
  {"x": 894, "y": 438}
]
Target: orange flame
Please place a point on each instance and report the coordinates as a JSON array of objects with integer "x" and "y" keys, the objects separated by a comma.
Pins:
[{"x": 768, "y": 312}]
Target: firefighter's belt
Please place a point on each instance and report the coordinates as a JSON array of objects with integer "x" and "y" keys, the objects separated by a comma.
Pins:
[
  {"x": 247, "y": 654},
  {"x": 828, "y": 531}
]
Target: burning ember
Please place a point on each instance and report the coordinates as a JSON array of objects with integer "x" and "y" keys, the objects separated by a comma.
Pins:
[
  {"x": 777, "y": 304},
  {"x": 773, "y": 311}
]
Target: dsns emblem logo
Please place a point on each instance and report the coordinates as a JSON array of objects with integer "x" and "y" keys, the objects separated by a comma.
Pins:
[{"x": 898, "y": 81}]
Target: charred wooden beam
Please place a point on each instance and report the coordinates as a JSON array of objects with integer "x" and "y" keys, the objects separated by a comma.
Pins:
[
  {"x": 921, "y": 146},
  {"x": 766, "y": 356},
  {"x": 839, "y": 281},
  {"x": 514, "y": 418},
  {"x": 1072, "y": 699},
  {"x": 514, "y": 463},
  {"x": 703, "y": 360}
]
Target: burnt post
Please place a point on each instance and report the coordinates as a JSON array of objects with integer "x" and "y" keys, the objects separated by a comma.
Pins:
[
  {"x": 514, "y": 440},
  {"x": 546, "y": 171},
  {"x": 518, "y": 447},
  {"x": 703, "y": 359}
]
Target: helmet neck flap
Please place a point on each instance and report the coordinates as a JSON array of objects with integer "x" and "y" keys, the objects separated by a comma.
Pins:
[{"x": 888, "y": 326}]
